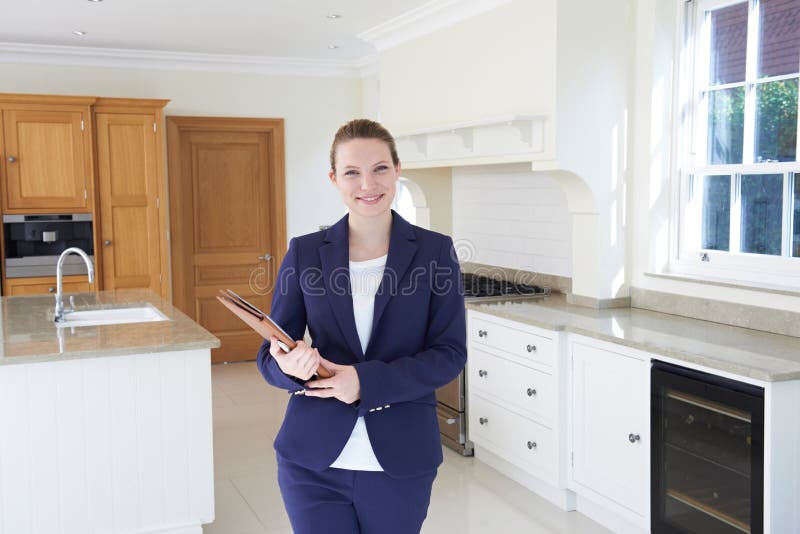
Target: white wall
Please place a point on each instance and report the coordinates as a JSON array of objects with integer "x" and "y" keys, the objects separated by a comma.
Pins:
[
  {"x": 511, "y": 217},
  {"x": 499, "y": 62},
  {"x": 313, "y": 108},
  {"x": 653, "y": 174}
]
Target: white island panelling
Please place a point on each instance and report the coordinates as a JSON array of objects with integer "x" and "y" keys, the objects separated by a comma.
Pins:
[{"x": 107, "y": 444}]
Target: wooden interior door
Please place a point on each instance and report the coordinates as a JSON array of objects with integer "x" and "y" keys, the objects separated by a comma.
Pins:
[
  {"x": 228, "y": 221},
  {"x": 129, "y": 200},
  {"x": 46, "y": 163}
]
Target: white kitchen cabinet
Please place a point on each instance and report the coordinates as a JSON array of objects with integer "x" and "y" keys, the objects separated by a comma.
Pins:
[
  {"x": 517, "y": 402},
  {"x": 609, "y": 424}
]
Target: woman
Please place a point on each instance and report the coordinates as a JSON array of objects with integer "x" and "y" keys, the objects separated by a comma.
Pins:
[{"x": 384, "y": 305}]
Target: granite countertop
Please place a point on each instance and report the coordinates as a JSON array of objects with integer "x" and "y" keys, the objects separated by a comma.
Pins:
[
  {"x": 29, "y": 335},
  {"x": 741, "y": 351}
]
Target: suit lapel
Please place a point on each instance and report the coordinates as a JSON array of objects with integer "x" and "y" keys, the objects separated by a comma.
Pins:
[
  {"x": 401, "y": 252},
  {"x": 334, "y": 259}
]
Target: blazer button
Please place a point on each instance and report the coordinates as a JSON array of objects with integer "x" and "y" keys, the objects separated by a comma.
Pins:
[
  {"x": 386, "y": 406},
  {"x": 379, "y": 408},
  {"x": 372, "y": 409}
]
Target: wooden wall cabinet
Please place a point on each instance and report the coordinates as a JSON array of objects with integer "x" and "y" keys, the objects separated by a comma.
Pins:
[
  {"x": 46, "y": 154},
  {"x": 105, "y": 156}
]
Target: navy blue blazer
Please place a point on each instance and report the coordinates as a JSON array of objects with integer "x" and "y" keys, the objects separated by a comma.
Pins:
[{"x": 417, "y": 344}]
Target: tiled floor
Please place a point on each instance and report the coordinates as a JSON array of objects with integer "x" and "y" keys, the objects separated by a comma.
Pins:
[{"x": 468, "y": 497}]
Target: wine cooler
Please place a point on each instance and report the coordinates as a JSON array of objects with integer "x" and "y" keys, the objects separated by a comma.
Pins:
[{"x": 707, "y": 453}]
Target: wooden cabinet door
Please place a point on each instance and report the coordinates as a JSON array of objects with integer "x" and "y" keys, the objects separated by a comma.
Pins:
[
  {"x": 610, "y": 408},
  {"x": 46, "y": 166},
  {"x": 129, "y": 204}
]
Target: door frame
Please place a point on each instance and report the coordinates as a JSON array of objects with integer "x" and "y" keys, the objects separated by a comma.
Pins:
[{"x": 180, "y": 125}]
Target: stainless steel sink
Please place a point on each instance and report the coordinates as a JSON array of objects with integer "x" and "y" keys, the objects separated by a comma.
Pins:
[{"x": 138, "y": 314}]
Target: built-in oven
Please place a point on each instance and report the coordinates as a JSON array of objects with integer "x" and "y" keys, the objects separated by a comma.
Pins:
[
  {"x": 452, "y": 406},
  {"x": 707, "y": 453},
  {"x": 34, "y": 242}
]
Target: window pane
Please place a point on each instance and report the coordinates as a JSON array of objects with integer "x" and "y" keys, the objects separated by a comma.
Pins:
[
  {"x": 796, "y": 242},
  {"x": 762, "y": 213},
  {"x": 776, "y": 121},
  {"x": 716, "y": 212},
  {"x": 779, "y": 25},
  {"x": 725, "y": 125},
  {"x": 728, "y": 44}
]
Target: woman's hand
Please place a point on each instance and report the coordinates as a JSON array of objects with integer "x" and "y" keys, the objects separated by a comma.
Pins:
[
  {"x": 343, "y": 385},
  {"x": 301, "y": 362}
]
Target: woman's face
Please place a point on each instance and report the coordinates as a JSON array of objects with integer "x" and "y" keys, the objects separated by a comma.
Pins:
[{"x": 365, "y": 176}]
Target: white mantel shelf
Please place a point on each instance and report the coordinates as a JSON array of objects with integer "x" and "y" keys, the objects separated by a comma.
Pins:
[{"x": 496, "y": 140}]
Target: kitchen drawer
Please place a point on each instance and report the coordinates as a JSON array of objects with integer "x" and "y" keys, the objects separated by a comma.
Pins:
[
  {"x": 525, "y": 389},
  {"x": 514, "y": 438},
  {"x": 42, "y": 285},
  {"x": 520, "y": 343},
  {"x": 451, "y": 424}
]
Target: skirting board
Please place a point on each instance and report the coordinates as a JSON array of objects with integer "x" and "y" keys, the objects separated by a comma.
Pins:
[{"x": 564, "y": 499}]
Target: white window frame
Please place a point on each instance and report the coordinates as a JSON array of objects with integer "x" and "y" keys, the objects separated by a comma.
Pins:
[{"x": 690, "y": 134}]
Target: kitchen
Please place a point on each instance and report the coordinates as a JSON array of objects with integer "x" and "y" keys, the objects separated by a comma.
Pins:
[{"x": 549, "y": 147}]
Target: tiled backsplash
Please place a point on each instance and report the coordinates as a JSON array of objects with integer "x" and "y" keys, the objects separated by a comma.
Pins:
[{"x": 511, "y": 218}]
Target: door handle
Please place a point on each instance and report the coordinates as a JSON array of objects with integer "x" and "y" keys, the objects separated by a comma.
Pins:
[
  {"x": 265, "y": 257},
  {"x": 12, "y": 159},
  {"x": 107, "y": 242}
]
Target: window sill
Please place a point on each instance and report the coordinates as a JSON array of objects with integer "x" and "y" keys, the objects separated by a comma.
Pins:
[{"x": 720, "y": 282}]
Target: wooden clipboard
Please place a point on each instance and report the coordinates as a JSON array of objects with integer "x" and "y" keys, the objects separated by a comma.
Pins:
[{"x": 261, "y": 323}]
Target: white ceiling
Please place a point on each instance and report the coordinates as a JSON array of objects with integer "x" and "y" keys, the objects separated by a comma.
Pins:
[{"x": 270, "y": 28}]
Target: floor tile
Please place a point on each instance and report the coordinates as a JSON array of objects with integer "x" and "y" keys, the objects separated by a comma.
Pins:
[{"x": 468, "y": 497}]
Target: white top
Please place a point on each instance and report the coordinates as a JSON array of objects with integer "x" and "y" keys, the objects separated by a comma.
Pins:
[{"x": 365, "y": 277}]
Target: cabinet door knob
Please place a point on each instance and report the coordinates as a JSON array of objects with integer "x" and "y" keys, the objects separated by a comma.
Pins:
[
  {"x": 633, "y": 438},
  {"x": 483, "y": 421},
  {"x": 51, "y": 290},
  {"x": 107, "y": 242},
  {"x": 482, "y": 373},
  {"x": 12, "y": 159},
  {"x": 482, "y": 333},
  {"x": 532, "y": 445},
  {"x": 531, "y": 348},
  {"x": 531, "y": 392},
  {"x": 265, "y": 257}
]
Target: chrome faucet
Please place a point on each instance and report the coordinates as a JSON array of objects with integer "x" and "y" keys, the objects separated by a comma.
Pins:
[{"x": 60, "y": 310}]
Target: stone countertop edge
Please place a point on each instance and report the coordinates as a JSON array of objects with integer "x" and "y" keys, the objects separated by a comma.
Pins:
[
  {"x": 749, "y": 353},
  {"x": 28, "y": 334}
]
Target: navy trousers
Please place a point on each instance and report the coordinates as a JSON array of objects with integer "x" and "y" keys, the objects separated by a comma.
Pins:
[{"x": 341, "y": 501}]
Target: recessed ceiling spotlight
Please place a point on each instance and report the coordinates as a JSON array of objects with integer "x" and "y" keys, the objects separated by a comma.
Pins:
[
  {"x": 333, "y": 46},
  {"x": 95, "y": 1},
  {"x": 334, "y": 16},
  {"x": 79, "y": 33}
]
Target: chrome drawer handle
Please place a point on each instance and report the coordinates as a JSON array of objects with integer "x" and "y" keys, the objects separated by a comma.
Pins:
[
  {"x": 483, "y": 421},
  {"x": 532, "y": 445},
  {"x": 633, "y": 438},
  {"x": 531, "y": 348},
  {"x": 451, "y": 421},
  {"x": 531, "y": 392},
  {"x": 482, "y": 373},
  {"x": 482, "y": 333}
]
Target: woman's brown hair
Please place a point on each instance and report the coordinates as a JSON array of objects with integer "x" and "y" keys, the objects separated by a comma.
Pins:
[{"x": 363, "y": 129}]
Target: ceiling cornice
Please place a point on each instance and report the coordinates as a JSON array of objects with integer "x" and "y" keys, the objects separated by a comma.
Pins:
[
  {"x": 162, "y": 60},
  {"x": 425, "y": 19}
]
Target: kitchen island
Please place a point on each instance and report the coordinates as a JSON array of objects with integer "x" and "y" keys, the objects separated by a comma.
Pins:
[{"x": 104, "y": 428}]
